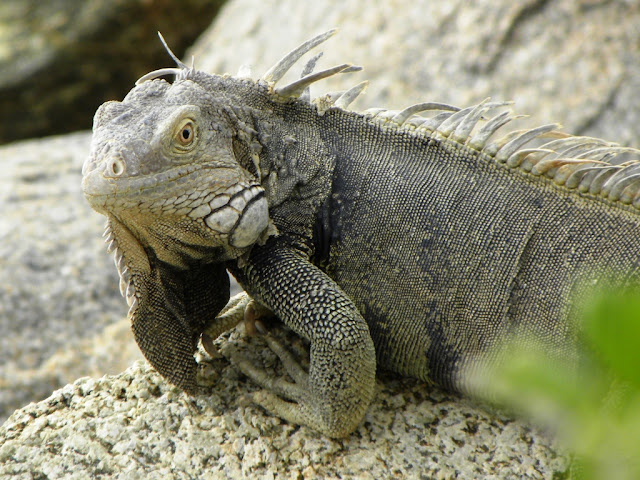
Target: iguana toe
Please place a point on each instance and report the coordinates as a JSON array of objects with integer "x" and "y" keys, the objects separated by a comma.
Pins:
[{"x": 293, "y": 401}]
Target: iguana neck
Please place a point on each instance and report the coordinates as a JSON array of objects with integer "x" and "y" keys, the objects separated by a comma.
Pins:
[{"x": 290, "y": 158}]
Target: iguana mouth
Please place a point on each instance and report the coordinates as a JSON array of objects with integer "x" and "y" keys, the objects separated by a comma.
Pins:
[
  {"x": 214, "y": 197},
  {"x": 181, "y": 189},
  {"x": 97, "y": 184}
]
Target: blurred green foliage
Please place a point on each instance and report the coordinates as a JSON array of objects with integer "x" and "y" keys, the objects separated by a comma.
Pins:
[{"x": 594, "y": 408}]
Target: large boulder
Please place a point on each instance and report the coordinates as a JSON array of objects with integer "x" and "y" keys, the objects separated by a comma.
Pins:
[
  {"x": 58, "y": 287},
  {"x": 59, "y": 60},
  {"x": 134, "y": 425}
]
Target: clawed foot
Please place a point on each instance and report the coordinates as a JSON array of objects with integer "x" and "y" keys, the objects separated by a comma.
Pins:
[
  {"x": 280, "y": 386},
  {"x": 331, "y": 397},
  {"x": 291, "y": 400},
  {"x": 241, "y": 308}
]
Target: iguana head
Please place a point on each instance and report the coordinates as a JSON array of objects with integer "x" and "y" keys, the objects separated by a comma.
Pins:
[
  {"x": 179, "y": 203},
  {"x": 162, "y": 163}
]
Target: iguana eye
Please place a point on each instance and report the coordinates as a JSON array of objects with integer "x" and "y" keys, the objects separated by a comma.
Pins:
[{"x": 185, "y": 134}]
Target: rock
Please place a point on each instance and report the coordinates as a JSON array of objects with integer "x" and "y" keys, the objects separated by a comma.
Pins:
[
  {"x": 566, "y": 61},
  {"x": 134, "y": 425},
  {"x": 59, "y": 60}
]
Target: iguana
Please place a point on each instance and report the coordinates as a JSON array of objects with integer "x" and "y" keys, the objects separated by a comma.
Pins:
[{"x": 386, "y": 239}]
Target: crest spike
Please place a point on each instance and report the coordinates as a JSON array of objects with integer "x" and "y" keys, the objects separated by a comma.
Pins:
[
  {"x": 347, "y": 98},
  {"x": 295, "y": 89},
  {"x": 159, "y": 73},
  {"x": 402, "y": 116},
  {"x": 513, "y": 145},
  {"x": 462, "y": 133},
  {"x": 170, "y": 52},
  {"x": 177, "y": 71},
  {"x": 308, "y": 70},
  {"x": 276, "y": 72},
  {"x": 481, "y": 137}
]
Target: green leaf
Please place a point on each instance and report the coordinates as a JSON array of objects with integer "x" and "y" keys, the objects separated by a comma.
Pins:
[{"x": 612, "y": 327}]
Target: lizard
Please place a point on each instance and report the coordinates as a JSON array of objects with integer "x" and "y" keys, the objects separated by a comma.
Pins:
[{"x": 389, "y": 239}]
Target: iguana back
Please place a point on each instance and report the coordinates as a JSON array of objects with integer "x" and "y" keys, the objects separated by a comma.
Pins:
[{"x": 449, "y": 253}]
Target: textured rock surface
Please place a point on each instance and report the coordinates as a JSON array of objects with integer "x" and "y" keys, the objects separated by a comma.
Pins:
[
  {"x": 134, "y": 425},
  {"x": 566, "y": 61},
  {"x": 60, "y": 59}
]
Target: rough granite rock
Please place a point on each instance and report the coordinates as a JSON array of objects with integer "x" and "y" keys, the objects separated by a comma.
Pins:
[
  {"x": 567, "y": 61},
  {"x": 134, "y": 425},
  {"x": 60, "y": 59}
]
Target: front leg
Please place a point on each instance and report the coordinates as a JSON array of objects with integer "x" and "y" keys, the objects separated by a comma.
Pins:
[{"x": 335, "y": 394}]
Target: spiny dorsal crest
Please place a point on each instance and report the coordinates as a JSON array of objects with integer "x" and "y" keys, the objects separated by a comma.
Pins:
[{"x": 576, "y": 163}]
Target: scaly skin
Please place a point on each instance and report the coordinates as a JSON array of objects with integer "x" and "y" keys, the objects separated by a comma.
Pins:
[{"x": 417, "y": 245}]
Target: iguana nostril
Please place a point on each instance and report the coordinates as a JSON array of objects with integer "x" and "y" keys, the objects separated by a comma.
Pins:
[{"x": 115, "y": 167}]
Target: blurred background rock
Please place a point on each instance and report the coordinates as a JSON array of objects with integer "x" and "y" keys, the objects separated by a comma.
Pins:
[{"x": 60, "y": 59}]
